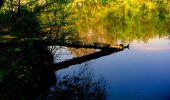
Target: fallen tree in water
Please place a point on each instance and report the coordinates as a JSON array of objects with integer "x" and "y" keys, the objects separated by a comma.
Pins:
[
  {"x": 105, "y": 49},
  {"x": 82, "y": 59},
  {"x": 81, "y": 44},
  {"x": 67, "y": 43},
  {"x": 101, "y": 46}
]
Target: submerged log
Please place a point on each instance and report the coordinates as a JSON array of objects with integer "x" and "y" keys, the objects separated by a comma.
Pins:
[
  {"x": 105, "y": 49},
  {"x": 79, "y": 60},
  {"x": 101, "y": 46},
  {"x": 79, "y": 44}
]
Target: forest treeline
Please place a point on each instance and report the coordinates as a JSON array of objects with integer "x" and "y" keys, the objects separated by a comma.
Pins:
[
  {"x": 124, "y": 20},
  {"x": 62, "y": 18}
]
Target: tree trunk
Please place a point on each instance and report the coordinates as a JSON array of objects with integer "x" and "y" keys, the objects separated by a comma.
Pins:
[{"x": 19, "y": 8}]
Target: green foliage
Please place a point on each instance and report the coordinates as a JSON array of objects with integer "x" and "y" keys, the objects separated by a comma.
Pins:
[
  {"x": 104, "y": 2},
  {"x": 51, "y": 19},
  {"x": 123, "y": 21},
  {"x": 162, "y": 10},
  {"x": 63, "y": 1},
  {"x": 56, "y": 21}
]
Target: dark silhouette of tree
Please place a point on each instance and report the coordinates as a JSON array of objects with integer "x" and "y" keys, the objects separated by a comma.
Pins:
[{"x": 1, "y": 3}]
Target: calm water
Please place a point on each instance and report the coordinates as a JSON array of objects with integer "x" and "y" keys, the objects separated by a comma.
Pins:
[{"x": 139, "y": 73}]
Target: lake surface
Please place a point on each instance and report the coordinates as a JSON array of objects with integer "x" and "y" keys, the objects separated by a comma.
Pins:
[{"x": 139, "y": 73}]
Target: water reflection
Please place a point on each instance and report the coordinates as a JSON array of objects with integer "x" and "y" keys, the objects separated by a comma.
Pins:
[
  {"x": 78, "y": 60},
  {"x": 134, "y": 74},
  {"x": 78, "y": 85},
  {"x": 82, "y": 51},
  {"x": 123, "y": 21},
  {"x": 139, "y": 73},
  {"x": 62, "y": 53},
  {"x": 31, "y": 72},
  {"x": 153, "y": 49}
]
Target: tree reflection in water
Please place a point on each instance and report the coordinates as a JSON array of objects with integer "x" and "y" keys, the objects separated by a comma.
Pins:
[
  {"x": 80, "y": 85},
  {"x": 27, "y": 76}
]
